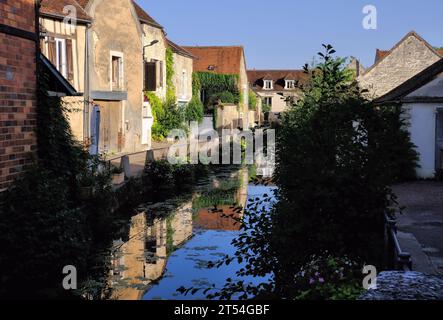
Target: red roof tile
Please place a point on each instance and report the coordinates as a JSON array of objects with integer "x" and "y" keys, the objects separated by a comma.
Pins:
[
  {"x": 221, "y": 60},
  {"x": 256, "y": 77},
  {"x": 55, "y": 8}
]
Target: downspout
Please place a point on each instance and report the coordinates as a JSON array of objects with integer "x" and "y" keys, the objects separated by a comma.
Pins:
[{"x": 86, "y": 117}]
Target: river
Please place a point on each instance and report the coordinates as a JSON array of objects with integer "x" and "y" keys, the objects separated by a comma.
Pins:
[{"x": 169, "y": 244}]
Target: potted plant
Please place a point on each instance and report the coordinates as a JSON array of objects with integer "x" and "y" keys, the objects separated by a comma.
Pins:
[{"x": 118, "y": 175}]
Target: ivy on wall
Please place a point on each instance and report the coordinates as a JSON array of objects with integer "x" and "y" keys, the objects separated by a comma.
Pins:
[
  {"x": 170, "y": 87},
  {"x": 217, "y": 86}
]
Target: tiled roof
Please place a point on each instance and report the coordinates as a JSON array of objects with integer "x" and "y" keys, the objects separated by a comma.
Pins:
[
  {"x": 256, "y": 77},
  {"x": 221, "y": 60},
  {"x": 55, "y": 8},
  {"x": 144, "y": 17},
  {"x": 179, "y": 50}
]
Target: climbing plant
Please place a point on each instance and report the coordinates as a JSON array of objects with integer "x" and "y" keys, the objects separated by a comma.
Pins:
[
  {"x": 215, "y": 84},
  {"x": 170, "y": 87}
]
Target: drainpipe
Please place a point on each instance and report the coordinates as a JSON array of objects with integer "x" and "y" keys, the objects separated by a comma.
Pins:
[{"x": 87, "y": 94}]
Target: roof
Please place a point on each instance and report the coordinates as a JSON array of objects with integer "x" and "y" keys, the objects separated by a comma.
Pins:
[
  {"x": 57, "y": 83},
  {"x": 54, "y": 8},
  {"x": 423, "y": 78},
  {"x": 221, "y": 60},
  {"x": 144, "y": 16},
  {"x": 256, "y": 77},
  {"x": 179, "y": 50},
  {"x": 382, "y": 54}
]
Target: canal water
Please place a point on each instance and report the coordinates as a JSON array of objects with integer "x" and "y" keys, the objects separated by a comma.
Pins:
[{"x": 170, "y": 244}]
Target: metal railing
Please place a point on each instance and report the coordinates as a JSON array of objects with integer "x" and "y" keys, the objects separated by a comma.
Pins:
[{"x": 396, "y": 258}]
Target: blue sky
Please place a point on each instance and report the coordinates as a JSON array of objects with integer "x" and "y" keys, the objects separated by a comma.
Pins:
[{"x": 288, "y": 33}]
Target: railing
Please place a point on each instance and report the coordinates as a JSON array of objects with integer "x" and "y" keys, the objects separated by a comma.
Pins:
[{"x": 396, "y": 258}]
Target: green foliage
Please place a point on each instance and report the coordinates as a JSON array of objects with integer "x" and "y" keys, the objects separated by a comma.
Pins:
[
  {"x": 252, "y": 103},
  {"x": 170, "y": 88},
  {"x": 194, "y": 110},
  {"x": 334, "y": 171},
  {"x": 45, "y": 222},
  {"x": 223, "y": 97},
  {"x": 266, "y": 108},
  {"x": 167, "y": 116},
  {"x": 214, "y": 84},
  {"x": 328, "y": 278}
]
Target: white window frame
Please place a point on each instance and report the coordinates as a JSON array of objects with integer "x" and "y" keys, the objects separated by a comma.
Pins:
[
  {"x": 61, "y": 65},
  {"x": 268, "y": 85},
  {"x": 289, "y": 84},
  {"x": 119, "y": 55}
]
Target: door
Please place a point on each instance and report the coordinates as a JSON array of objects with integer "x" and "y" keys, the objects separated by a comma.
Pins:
[{"x": 111, "y": 140}]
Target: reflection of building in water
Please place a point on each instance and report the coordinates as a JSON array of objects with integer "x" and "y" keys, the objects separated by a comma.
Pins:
[
  {"x": 225, "y": 217},
  {"x": 182, "y": 224},
  {"x": 142, "y": 259}
]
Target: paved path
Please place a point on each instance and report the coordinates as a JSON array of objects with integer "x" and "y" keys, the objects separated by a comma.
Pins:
[{"x": 421, "y": 225}]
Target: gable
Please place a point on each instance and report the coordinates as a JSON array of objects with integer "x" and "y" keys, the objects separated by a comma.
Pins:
[{"x": 406, "y": 59}]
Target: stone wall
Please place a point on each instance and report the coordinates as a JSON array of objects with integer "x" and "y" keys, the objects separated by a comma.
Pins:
[
  {"x": 183, "y": 68},
  {"x": 408, "y": 58},
  {"x": 17, "y": 90}
]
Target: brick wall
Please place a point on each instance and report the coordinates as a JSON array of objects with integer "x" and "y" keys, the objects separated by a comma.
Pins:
[{"x": 17, "y": 90}]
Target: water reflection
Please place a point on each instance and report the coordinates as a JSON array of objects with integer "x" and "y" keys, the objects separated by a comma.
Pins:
[{"x": 169, "y": 244}]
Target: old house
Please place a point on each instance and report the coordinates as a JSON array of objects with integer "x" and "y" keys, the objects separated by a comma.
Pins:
[
  {"x": 229, "y": 60},
  {"x": 421, "y": 98},
  {"x": 17, "y": 87},
  {"x": 64, "y": 45},
  {"x": 183, "y": 69},
  {"x": 276, "y": 88},
  {"x": 114, "y": 53},
  {"x": 392, "y": 68}
]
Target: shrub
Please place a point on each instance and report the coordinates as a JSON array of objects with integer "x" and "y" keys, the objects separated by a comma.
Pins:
[
  {"x": 224, "y": 97},
  {"x": 252, "y": 100},
  {"x": 194, "y": 110}
]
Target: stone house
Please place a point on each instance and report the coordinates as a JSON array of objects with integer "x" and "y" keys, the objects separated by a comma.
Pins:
[
  {"x": 421, "y": 98},
  {"x": 228, "y": 60},
  {"x": 392, "y": 68},
  {"x": 276, "y": 88},
  {"x": 183, "y": 69}
]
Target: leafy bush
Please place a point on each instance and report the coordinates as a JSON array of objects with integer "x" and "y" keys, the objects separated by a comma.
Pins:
[
  {"x": 167, "y": 116},
  {"x": 224, "y": 97},
  {"x": 252, "y": 100},
  {"x": 328, "y": 278},
  {"x": 194, "y": 110}
]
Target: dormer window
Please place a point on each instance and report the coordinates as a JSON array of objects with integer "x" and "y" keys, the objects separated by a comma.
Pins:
[
  {"x": 289, "y": 84},
  {"x": 268, "y": 85}
]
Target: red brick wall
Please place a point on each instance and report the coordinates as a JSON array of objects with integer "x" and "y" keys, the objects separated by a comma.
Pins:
[{"x": 17, "y": 90}]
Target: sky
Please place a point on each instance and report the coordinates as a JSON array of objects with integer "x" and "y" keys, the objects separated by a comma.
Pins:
[{"x": 286, "y": 34}]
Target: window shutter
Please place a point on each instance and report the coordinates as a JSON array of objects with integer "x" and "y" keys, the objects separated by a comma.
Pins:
[
  {"x": 69, "y": 60},
  {"x": 150, "y": 76},
  {"x": 52, "y": 51}
]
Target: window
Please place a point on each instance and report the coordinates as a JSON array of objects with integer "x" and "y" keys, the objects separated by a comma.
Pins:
[
  {"x": 116, "y": 72},
  {"x": 150, "y": 83},
  {"x": 268, "y": 85},
  {"x": 267, "y": 101},
  {"x": 59, "y": 51},
  {"x": 290, "y": 84},
  {"x": 184, "y": 86}
]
